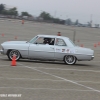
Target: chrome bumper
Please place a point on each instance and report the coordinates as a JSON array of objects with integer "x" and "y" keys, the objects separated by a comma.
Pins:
[{"x": 1, "y": 51}]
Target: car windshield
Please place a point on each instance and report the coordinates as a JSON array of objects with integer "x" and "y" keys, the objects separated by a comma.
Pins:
[
  {"x": 33, "y": 39},
  {"x": 72, "y": 43}
]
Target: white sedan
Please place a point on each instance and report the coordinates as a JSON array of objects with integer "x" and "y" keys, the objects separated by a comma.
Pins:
[{"x": 47, "y": 47}]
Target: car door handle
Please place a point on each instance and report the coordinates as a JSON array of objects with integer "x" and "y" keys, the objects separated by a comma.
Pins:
[{"x": 51, "y": 47}]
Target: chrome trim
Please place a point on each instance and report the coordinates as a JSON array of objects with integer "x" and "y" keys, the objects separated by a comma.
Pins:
[
  {"x": 92, "y": 57},
  {"x": 83, "y": 54},
  {"x": 2, "y": 51}
]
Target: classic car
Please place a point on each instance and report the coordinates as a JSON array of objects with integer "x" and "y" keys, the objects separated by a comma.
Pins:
[{"x": 47, "y": 47}]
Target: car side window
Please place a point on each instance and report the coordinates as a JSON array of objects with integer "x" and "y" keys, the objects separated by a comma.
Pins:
[
  {"x": 45, "y": 41},
  {"x": 33, "y": 39},
  {"x": 60, "y": 42},
  {"x": 39, "y": 40}
]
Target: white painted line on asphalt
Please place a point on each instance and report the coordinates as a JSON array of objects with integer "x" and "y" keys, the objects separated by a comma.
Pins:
[
  {"x": 68, "y": 69},
  {"x": 3, "y": 57},
  {"x": 1, "y": 20},
  {"x": 94, "y": 61},
  {"x": 71, "y": 81},
  {"x": 29, "y": 79},
  {"x": 10, "y": 66},
  {"x": 3, "y": 65},
  {"x": 74, "y": 70},
  {"x": 88, "y": 82},
  {"x": 47, "y": 89},
  {"x": 45, "y": 80}
]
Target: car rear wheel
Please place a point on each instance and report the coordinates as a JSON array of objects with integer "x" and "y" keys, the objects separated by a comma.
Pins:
[
  {"x": 69, "y": 59},
  {"x": 14, "y": 53}
]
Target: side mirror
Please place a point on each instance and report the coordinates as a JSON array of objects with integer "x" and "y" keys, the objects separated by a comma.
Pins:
[{"x": 35, "y": 43}]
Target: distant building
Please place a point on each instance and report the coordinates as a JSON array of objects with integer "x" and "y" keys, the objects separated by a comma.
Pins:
[
  {"x": 97, "y": 25},
  {"x": 25, "y": 17},
  {"x": 94, "y": 25}
]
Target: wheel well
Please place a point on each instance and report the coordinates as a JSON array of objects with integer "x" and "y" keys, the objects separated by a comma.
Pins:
[
  {"x": 12, "y": 49},
  {"x": 70, "y": 55},
  {"x": 8, "y": 51}
]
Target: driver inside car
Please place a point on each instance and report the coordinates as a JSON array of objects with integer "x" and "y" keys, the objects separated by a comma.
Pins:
[{"x": 47, "y": 41}]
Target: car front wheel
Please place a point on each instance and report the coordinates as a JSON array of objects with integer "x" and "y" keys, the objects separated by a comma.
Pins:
[
  {"x": 14, "y": 53},
  {"x": 69, "y": 59}
]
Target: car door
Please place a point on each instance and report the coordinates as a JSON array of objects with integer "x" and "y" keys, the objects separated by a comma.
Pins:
[
  {"x": 39, "y": 50},
  {"x": 61, "y": 49}
]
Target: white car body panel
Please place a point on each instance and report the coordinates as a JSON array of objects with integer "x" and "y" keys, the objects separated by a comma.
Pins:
[
  {"x": 49, "y": 52},
  {"x": 21, "y": 46},
  {"x": 41, "y": 51}
]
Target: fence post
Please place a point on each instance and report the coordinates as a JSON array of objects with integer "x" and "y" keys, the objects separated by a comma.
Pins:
[{"x": 74, "y": 35}]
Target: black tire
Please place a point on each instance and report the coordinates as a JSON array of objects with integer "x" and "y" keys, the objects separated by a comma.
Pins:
[
  {"x": 70, "y": 60},
  {"x": 11, "y": 53}
]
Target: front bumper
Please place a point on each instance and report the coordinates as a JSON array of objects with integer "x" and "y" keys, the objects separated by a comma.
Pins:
[{"x": 1, "y": 51}]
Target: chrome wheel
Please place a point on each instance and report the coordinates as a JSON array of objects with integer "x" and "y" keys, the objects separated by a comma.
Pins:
[
  {"x": 70, "y": 60},
  {"x": 14, "y": 53}
]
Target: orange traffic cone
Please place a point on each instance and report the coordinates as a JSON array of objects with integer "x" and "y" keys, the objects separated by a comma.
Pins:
[
  {"x": 82, "y": 45},
  {"x": 98, "y": 43},
  {"x": 95, "y": 45},
  {"x": 78, "y": 40},
  {"x": 15, "y": 37},
  {"x": 13, "y": 63},
  {"x": 3, "y": 35},
  {"x": 22, "y": 21},
  {"x": 59, "y": 34}
]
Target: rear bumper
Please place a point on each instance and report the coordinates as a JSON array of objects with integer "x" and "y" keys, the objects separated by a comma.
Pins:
[
  {"x": 85, "y": 57},
  {"x": 92, "y": 57}
]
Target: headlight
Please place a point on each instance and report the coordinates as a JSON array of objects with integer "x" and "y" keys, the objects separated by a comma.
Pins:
[
  {"x": 2, "y": 48},
  {"x": 2, "y": 51}
]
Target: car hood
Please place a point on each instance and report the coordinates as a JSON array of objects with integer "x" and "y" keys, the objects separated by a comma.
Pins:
[{"x": 14, "y": 42}]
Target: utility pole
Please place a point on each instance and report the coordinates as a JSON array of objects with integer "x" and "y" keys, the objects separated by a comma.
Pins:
[
  {"x": 55, "y": 14},
  {"x": 91, "y": 19},
  {"x": 74, "y": 35},
  {"x": 67, "y": 17}
]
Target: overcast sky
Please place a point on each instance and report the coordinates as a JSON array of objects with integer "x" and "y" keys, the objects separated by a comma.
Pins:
[{"x": 74, "y": 9}]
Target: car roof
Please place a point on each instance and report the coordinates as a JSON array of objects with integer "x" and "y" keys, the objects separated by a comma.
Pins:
[{"x": 53, "y": 36}]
